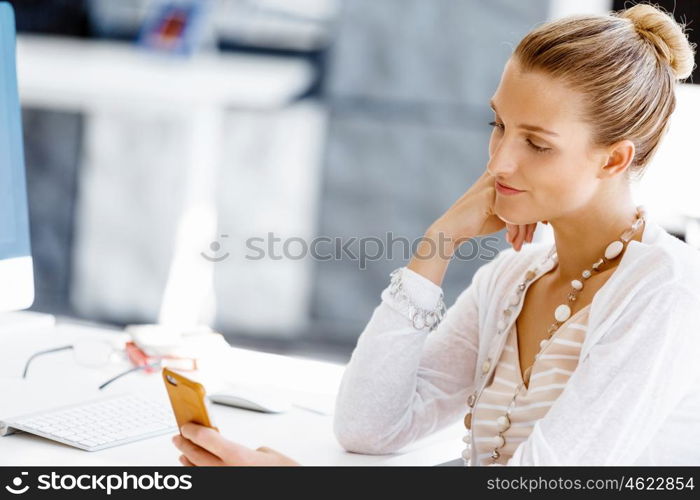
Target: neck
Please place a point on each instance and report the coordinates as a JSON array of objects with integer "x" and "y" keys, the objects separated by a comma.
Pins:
[{"x": 582, "y": 236}]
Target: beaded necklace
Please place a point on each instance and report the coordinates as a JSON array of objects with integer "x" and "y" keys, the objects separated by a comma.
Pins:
[{"x": 561, "y": 314}]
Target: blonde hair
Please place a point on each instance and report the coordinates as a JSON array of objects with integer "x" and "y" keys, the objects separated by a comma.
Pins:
[{"x": 625, "y": 64}]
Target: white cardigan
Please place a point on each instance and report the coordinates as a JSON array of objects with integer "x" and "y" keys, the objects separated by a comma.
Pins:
[{"x": 634, "y": 398}]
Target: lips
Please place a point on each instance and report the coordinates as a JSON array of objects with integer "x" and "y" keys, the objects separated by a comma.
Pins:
[{"x": 504, "y": 188}]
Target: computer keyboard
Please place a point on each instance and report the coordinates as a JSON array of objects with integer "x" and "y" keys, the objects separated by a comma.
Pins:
[{"x": 100, "y": 424}]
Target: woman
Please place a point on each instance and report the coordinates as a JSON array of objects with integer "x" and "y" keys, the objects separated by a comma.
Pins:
[{"x": 584, "y": 352}]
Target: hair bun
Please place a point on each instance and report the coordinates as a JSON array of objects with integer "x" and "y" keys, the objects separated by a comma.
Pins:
[{"x": 666, "y": 35}]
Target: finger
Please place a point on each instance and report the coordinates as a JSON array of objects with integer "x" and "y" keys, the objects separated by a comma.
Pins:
[
  {"x": 274, "y": 457},
  {"x": 185, "y": 461},
  {"x": 509, "y": 232},
  {"x": 521, "y": 237},
  {"x": 514, "y": 236},
  {"x": 530, "y": 232},
  {"x": 216, "y": 444},
  {"x": 195, "y": 454},
  {"x": 205, "y": 437}
]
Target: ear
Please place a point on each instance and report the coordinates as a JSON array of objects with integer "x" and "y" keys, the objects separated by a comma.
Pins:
[{"x": 619, "y": 158}]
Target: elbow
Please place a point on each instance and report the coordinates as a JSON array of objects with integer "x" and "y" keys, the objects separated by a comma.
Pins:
[
  {"x": 362, "y": 423},
  {"x": 358, "y": 440},
  {"x": 361, "y": 435}
]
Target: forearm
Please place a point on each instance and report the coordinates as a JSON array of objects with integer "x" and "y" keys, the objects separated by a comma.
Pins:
[
  {"x": 434, "y": 253},
  {"x": 375, "y": 402},
  {"x": 402, "y": 382}
]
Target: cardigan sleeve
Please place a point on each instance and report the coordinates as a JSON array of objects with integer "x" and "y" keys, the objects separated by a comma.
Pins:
[
  {"x": 619, "y": 396},
  {"x": 401, "y": 383}
]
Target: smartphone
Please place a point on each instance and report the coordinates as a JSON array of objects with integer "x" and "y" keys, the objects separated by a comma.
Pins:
[{"x": 188, "y": 399}]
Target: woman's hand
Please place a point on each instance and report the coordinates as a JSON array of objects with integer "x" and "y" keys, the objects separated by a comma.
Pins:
[
  {"x": 202, "y": 446},
  {"x": 472, "y": 215}
]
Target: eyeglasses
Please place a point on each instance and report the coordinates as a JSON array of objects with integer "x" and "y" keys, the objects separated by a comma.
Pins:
[{"x": 97, "y": 353}]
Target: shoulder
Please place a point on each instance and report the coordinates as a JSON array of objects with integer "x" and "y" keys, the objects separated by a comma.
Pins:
[
  {"x": 656, "y": 286},
  {"x": 653, "y": 319},
  {"x": 664, "y": 262}
]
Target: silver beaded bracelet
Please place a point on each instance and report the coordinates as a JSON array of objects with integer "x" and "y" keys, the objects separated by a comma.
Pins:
[{"x": 420, "y": 318}]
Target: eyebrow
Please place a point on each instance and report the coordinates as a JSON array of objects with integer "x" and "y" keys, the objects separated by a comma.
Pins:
[{"x": 533, "y": 128}]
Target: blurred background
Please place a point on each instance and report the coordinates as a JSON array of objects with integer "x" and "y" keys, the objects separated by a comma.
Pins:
[{"x": 161, "y": 136}]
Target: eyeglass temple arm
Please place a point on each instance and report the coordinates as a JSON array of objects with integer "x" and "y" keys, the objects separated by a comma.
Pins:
[
  {"x": 130, "y": 370},
  {"x": 37, "y": 354}
]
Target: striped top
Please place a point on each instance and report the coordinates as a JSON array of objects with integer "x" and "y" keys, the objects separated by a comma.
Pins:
[{"x": 547, "y": 377}]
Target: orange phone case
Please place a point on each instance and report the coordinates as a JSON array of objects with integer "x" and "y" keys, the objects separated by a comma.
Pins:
[{"x": 187, "y": 398}]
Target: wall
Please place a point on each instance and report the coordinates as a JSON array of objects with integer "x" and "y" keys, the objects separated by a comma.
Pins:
[{"x": 408, "y": 95}]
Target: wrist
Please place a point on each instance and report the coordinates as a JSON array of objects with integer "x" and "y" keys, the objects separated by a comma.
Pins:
[
  {"x": 416, "y": 298},
  {"x": 444, "y": 243}
]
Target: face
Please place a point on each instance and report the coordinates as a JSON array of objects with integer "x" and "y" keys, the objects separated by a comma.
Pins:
[{"x": 540, "y": 146}]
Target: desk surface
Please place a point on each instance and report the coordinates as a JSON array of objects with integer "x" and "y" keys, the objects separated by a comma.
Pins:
[{"x": 304, "y": 435}]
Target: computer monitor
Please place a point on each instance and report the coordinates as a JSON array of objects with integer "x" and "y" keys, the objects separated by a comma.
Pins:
[{"x": 16, "y": 274}]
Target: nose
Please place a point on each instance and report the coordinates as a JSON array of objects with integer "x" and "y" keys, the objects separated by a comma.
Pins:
[{"x": 502, "y": 163}]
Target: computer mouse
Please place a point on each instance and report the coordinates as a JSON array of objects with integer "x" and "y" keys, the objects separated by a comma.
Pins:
[{"x": 252, "y": 400}]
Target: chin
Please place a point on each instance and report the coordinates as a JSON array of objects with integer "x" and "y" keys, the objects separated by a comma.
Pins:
[
  {"x": 513, "y": 214},
  {"x": 506, "y": 213}
]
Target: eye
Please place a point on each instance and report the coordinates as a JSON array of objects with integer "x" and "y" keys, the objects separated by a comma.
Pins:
[
  {"x": 534, "y": 146},
  {"x": 496, "y": 124},
  {"x": 537, "y": 148}
]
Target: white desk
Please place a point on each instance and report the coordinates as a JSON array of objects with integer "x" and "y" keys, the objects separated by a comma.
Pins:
[{"x": 303, "y": 435}]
